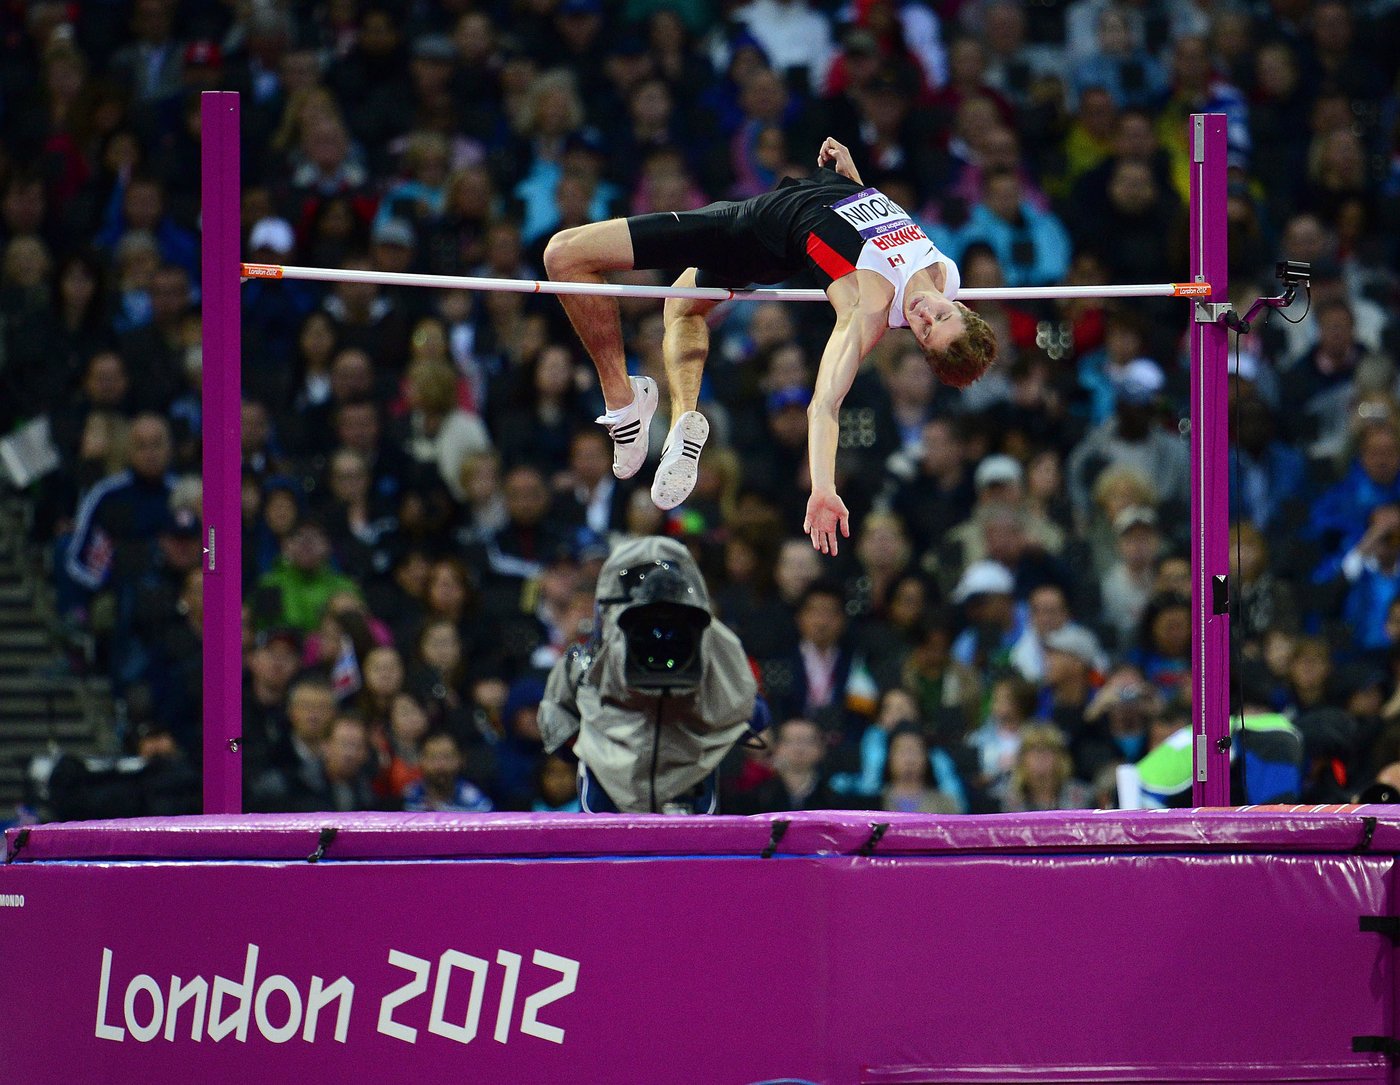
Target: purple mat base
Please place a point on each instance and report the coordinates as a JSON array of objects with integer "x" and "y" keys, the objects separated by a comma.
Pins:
[
  {"x": 1186, "y": 946},
  {"x": 1316, "y": 829}
]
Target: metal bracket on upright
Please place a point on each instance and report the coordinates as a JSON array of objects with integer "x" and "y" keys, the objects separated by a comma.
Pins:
[{"x": 1212, "y": 312}]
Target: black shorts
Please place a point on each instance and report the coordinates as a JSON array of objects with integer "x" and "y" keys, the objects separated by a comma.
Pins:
[{"x": 734, "y": 243}]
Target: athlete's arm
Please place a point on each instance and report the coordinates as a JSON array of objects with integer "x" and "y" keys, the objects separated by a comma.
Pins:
[
  {"x": 838, "y": 157},
  {"x": 861, "y": 320}
]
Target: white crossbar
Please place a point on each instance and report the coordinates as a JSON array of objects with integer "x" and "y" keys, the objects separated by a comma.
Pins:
[{"x": 699, "y": 293}]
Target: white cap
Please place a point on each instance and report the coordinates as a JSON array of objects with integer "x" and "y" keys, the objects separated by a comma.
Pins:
[
  {"x": 1133, "y": 516},
  {"x": 272, "y": 233},
  {"x": 1139, "y": 381},
  {"x": 998, "y": 468},
  {"x": 984, "y": 578},
  {"x": 1075, "y": 640}
]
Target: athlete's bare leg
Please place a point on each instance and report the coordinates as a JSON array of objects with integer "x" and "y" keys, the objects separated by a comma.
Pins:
[
  {"x": 581, "y": 255},
  {"x": 686, "y": 346}
]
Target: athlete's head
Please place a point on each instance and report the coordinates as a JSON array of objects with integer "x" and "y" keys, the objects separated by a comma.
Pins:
[{"x": 958, "y": 344}]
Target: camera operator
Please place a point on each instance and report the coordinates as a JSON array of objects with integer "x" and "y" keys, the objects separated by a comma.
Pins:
[{"x": 659, "y": 695}]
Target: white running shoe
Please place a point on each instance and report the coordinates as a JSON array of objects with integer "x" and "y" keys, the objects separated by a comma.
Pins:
[
  {"x": 629, "y": 427},
  {"x": 680, "y": 460}
]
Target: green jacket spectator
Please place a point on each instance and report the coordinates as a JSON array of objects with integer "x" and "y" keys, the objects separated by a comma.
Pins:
[{"x": 303, "y": 579}]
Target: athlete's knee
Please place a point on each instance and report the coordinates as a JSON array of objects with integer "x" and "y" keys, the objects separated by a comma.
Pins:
[
  {"x": 563, "y": 254},
  {"x": 576, "y": 251},
  {"x": 680, "y": 308},
  {"x": 588, "y": 250}
]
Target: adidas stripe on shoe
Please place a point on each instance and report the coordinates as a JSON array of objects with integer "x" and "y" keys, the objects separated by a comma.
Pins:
[
  {"x": 629, "y": 427},
  {"x": 680, "y": 460}
]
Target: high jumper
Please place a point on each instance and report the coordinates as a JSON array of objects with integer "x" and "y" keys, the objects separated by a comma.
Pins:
[{"x": 879, "y": 270}]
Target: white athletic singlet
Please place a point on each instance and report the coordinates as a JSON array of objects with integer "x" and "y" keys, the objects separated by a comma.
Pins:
[{"x": 895, "y": 246}]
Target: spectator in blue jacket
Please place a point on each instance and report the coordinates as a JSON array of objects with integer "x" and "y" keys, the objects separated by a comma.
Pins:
[
  {"x": 1032, "y": 246},
  {"x": 1264, "y": 471},
  {"x": 125, "y": 510},
  {"x": 1131, "y": 74},
  {"x": 1372, "y": 569},
  {"x": 1339, "y": 517},
  {"x": 139, "y": 204}
]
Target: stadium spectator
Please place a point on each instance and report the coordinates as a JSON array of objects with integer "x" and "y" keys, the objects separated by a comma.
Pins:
[
  {"x": 383, "y": 674},
  {"x": 1270, "y": 476},
  {"x": 1266, "y": 602},
  {"x": 909, "y": 783},
  {"x": 1120, "y": 64},
  {"x": 1131, "y": 438},
  {"x": 346, "y": 766},
  {"x": 987, "y": 592},
  {"x": 1043, "y": 776},
  {"x": 1341, "y": 514},
  {"x": 813, "y": 680},
  {"x": 936, "y": 489},
  {"x": 292, "y": 776},
  {"x": 1163, "y": 645},
  {"x": 556, "y": 788},
  {"x": 996, "y": 741},
  {"x": 1071, "y": 674},
  {"x": 1016, "y": 67},
  {"x": 441, "y": 786},
  {"x": 1371, "y": 569},
  {"x": 548, "y": 409},
  {"x": 302, "y": 581},
  {"x": 1133, "y": 233},
  {"x": 398, "y": 748},
  {"x": 1128, "y": 585},
  {"x": 1031, "y": 245},
  {"x": 798, "y": 781},
  {"x": 794, "y": 37},
  {"x": 1049, "y": 612},
  {"x": 1118, "y": 723},
  {"x": 1309, "y": 669},
  {"x": 437, "y": 432},
  {"x": 120, "y": 517}
]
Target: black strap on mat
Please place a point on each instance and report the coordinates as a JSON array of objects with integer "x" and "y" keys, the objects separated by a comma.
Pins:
[
  {"x": 1388, "y": 925},
  {"x": 877, "y": 830},
  {"x": 323, "y": 841},
  {"x": 775, "y": 837},
  {"x": 1368, "y": 832},
  {"x": 21, "y": 839},
  {"x": 1375, "y": 1045}
]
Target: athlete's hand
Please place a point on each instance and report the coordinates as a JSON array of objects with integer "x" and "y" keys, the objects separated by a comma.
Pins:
[
  {"x": 838, "y": 157},
  {"x": 825, "y": 513}
]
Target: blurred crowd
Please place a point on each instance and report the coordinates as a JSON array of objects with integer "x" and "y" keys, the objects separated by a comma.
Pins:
[{"x": 426, "y": 497}]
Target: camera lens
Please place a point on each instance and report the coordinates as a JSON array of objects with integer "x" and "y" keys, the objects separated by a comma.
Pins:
[
  {"x": 664, "y": 649},
  {"x": 663, "y": 644}
]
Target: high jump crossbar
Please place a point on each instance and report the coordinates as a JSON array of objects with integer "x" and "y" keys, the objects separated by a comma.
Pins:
[
  {"x": 222, "y": 423},
  {"x": 697, "y": 293}
]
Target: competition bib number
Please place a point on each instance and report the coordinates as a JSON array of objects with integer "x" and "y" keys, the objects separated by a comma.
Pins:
[{"x": 880, "y": 222}]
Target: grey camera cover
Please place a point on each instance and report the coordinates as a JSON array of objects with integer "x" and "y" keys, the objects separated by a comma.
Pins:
[{"x": 646, "y": 748}]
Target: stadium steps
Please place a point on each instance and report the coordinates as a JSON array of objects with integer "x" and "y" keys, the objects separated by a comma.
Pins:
[{"x": 43, "y": 704}]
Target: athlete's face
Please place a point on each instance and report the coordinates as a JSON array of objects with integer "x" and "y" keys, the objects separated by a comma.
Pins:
[{"x": 934, "y": 320}]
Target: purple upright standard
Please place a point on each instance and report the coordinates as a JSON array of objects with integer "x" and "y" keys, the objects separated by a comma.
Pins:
[
  {"x": 1210, "y": 493},
  {"x": 223, "y": 557}
]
